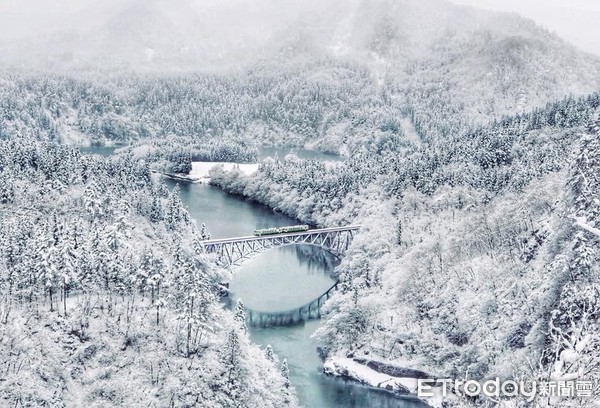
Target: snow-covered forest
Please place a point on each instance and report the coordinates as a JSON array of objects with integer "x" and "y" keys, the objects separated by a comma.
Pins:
[
  {"x": 471, "y": 158},
  {"x": 473, "y": 240},
  {"x": 107, "y": 297}
]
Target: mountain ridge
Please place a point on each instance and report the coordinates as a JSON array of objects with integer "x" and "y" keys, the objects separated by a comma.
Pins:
[{"x": 189, "y": 36}]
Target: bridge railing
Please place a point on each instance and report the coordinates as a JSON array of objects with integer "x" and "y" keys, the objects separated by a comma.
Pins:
[{"x": 287, "y": 234}]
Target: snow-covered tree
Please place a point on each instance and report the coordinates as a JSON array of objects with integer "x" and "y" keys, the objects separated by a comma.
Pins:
[
  {"x": 285, "y": 373},
  {"x": 204, "y": 234},
  {"x": 240, "y": 315},
  {"x": 269, "y": 353}
]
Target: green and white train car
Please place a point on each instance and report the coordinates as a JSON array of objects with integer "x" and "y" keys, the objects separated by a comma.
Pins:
[{"x": 280, "y": 230}]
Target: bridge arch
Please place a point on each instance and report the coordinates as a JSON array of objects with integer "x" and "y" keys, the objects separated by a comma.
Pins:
[{"x": 234, "y": 252}]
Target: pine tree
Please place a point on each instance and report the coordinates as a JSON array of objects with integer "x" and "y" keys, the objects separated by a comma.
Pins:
[
  {"x": 240, "y": 315},
  {"x": 191, "y": 296},
  {"x": 285, "y": 373},
  {"x": 68, "y": 259},
  {"x": 147, "y": 265},
  {"x": 232, "y": 372},
  {"x": 204, "y": 234},
  {"x": 92, "y": 200},
  {"x": 584, "y": 257},
  {"x": 197, "y": 246},
  {"x": 173, "y": 214},
  {"x": 47, "y": 267},
  {"x": 269, "y": 353},
  {"x": 593, "y": 127},
  {"x": 156, "y": 210},
  {"x": 585, "y": 179},
  {"x": 7, "y": 191}
]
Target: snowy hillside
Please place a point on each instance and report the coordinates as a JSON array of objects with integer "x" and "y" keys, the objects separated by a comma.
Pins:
[
  {"x": 190, "y": 35},
  {"x": 315, "y": 68},
  {"x": 108, "y": 297},
  {"x": 469, "y": 263},
  {"x": 469, "y": 146}
]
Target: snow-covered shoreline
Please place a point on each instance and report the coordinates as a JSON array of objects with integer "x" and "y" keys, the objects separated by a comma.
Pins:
[
  {"x": 358, "y": 370},
  {"x": 201, "y": 171}
]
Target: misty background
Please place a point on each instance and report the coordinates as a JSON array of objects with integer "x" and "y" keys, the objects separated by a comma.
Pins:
[
  {"x": 574, "y": 20},
  {"x": 188, "y": 34}
]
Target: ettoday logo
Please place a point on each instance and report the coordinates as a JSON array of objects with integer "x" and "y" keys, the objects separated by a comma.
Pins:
[{"x": 497, "y": 389}]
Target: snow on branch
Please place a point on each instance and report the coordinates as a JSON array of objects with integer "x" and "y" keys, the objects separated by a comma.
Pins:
[{"x": 582, "y": 222}]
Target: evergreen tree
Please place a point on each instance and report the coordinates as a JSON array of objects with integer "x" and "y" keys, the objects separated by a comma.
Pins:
[
  {"x": 174, "y": 212},
  {"x": 156, "y": 210},
  {"x": 285, "y": 373},
  {"x": 7, "y": 191},
  {"x": 67, "y": 267},
  {"x": 204, "y": 234},
  {"x": 197, "y": 246},
  {"x": 92, "y": 201},
  {"x": 240, "y": 315},
  {"x": 232, "y": 373},
  {"x": 584, "y": 257},
  {"x": 269, "y": 353},
  {"x": 47, "y": 268}
]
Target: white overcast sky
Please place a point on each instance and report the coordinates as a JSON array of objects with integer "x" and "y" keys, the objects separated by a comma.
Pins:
[{"x": 577, "y": 21}]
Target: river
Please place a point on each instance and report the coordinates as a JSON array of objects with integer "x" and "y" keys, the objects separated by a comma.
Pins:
[{"x": 279, "y": 280}]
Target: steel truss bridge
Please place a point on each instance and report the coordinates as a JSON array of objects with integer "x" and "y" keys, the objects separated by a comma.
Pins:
[{"x": 233, "y": 252}]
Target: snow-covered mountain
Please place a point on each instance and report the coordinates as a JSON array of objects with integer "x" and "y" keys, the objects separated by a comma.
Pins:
[
  {"x": 429, "y": 55},
  {"x": 190, "y": 35}
]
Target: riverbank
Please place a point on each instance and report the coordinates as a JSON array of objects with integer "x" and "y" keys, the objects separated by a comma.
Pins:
[
  {"x": 400, "y": 381},
  {"x": 201, "y": 171},
  {"x": 233, "y": 215}
]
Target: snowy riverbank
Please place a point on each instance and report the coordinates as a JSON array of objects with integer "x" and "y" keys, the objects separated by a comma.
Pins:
[
  {"x": 399, "y": 380},
  {"x": 201, "y": 171}
]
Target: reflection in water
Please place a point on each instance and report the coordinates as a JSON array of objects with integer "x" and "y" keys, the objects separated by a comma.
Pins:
[
  {"x": 289, "y": 277},
  {"x": 314, "y": 257},
  {"x": 282, "y": 279}
]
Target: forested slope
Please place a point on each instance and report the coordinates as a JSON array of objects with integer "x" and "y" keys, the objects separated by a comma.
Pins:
[
  {"x": 456, "y": 69},
  {"x": 270, "y": 104},
  {"x": 469, "y": 263},
  {"x": 107, "y": 298}
]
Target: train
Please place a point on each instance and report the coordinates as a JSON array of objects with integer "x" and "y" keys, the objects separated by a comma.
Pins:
[{"x": 280, "y": 230}]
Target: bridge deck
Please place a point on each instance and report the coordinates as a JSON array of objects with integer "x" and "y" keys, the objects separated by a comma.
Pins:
[{"x": 289, "y": 234}]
